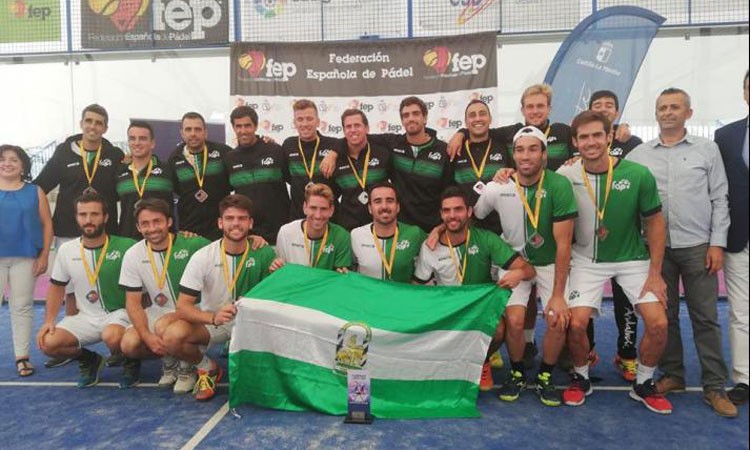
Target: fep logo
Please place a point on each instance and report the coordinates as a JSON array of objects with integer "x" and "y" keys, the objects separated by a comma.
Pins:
[
  {"x": 472, "y": 8},
  {"x": 437, "y": 58},
  {"x": 440, "y": 59},
  {"x": 258, "y": 66},
  {"x": 124, "y": 14},
  {"x": 22, "y": 10},
  {"x": 194, "y": 16},
  {"x": 271, "y": 127},
  {"x": 269, "y": 9},
  {"x": 253, "y": 62}
]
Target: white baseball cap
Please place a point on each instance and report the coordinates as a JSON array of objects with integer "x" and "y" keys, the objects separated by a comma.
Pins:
[{"x": 532, "y": 132}]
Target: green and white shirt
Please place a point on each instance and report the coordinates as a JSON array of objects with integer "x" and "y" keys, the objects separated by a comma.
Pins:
[
  {"x": 368, "y": 259},
  {"x": 204, "y": 276},
  {"x": 139, "y": 275},
  {"x": 485, "y": 249},
  {"x": 336, "y": 251},
  {"x": 558, "y": 204},
  {"x": 104, "y": 296},
  {"x": 633, "y": 195}
]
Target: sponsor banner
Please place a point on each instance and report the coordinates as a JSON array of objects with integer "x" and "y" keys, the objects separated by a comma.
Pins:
[
  {"x": 306, "y": 20},
  {"x": 605, "y": 51},
  {"x": 25, "y": 21},
  {"x": 364, "y": 68},
  {"x": 115, "y": 24},
  {"x": 450, "y": 17}
]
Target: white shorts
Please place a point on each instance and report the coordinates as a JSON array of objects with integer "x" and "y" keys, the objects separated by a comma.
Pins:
[
  {"x": 152, "y": 316},
  {"x": 544, "y": 282},
  {"x": 88, "y": 329},
  {"x": 520, "y": 294},
  {"x": 587, "y": 281}
]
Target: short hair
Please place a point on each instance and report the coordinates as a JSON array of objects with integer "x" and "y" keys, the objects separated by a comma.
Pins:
[
  {"x": 152, "y": 204},
  {"x": 142, "y": 124},
  {"x": 92, "y": 197},
  {"x": 674, "y": 90},
  {"x": 604, "y": 94},
  {"x": 319, "y": 190},
  {"x": 477, "y": 101},
  {"x": 413, "y": 100},
  {"x": 354, "y": 112},
  {"x": 381, "y": 185},
  {"x": 192, "y": 115},
  {"x": 304, "y": 103},
  {"x": 454, "y": 191},
  {"x": 96, "y": 109},
  {"x": 244, "y": 111},
  {"x": 540, "y": 88},
  {"x": 21, "y": 154},
  {"x": 587, "y": 117},
  {"x": 238, "y": 201}
]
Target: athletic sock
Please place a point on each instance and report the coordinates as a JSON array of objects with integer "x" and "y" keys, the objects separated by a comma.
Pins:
[
  {"x": 517, "y": 366},
  {"x": 185, "y": 365},
  {"x": 546, "y": 368},
  {"x": 644, "y": 373},
  {"x": 582, "y": 371},
  {"x": 529, "y": 336},
  {"x": 205, "y": 364}
]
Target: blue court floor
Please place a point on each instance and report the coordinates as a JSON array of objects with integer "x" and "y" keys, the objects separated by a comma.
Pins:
[{"x": 46, "y": 411}]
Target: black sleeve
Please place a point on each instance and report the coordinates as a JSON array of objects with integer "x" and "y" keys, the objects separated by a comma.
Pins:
[{"x": 49, "y": 177}]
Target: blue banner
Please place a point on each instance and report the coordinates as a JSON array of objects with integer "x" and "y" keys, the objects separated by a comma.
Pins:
[{"x": 605, "y": 51}]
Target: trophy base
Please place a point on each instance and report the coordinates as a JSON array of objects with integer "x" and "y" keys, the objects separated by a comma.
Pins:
[{"x": 359, "y": 419}]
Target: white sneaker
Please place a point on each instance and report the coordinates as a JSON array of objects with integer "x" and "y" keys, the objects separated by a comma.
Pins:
[
  {"x": 169, "y": 375},
  {"x": 186, "y": 379}
]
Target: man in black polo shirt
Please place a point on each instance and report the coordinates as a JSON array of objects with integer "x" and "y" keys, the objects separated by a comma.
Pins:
[
  {"x": 199, "y": 178},
  {"x": 256, "y": 170},
  {"x": 144, "y": 177}
]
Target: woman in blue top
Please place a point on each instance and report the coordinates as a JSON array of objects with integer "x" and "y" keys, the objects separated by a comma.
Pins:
[{"x": 25, "y": 239}]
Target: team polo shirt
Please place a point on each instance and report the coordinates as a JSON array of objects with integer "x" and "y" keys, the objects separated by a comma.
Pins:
[
  {"x": 558, "y": 204},
  {"x": 138, "y": 274},
  {"x": 257, "y": 172},
  {"x": 559, "y": 141},
  {"x": 204, "y": 276},
  {"x": 65, "y": 169},
  {"x": 633, "y": 195},
  {"x": 199, "y": 217},
  {"x": 420, "y": 174},
  {"x": 157, "y": 185},
  {"x": 296, "y": 174},
  {"x": 336, "y": 251},
  {"x": 351, "y": 212},
  {"x": 484, "y": 249},
  {"x": 466, "y": 177},
  {"x": 368, "y": 261},
  {"x": 104, "y": 296}
]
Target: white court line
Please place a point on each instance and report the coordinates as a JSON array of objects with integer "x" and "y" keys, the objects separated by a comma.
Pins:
[
  {"x": 207, "y": 427},
  {"x": 73, "y": 384}
]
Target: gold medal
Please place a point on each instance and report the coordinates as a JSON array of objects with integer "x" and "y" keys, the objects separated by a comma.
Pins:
[
  {"x": 361, "y": 181},
  {"x": 93, "y": 276},
  {"x": 201, "y": 195},
  {"x": 535, "y": 240},
  {"x": 200, "y": 176},
  {"x": 90, "y": 173},
  {"x": 160, "y": 299},
  {"x": 160, "y": 278},
  {"x": 387, "y": 264},
  {"x": 601, "y": 230},
  {"x": 92, "y": 297}
]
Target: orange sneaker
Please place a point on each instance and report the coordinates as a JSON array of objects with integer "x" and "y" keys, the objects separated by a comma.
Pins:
[
  {"x": 628, "y": 368},
  {"x": 205, "y": 387},
  {"x": 486, "y": 382}
]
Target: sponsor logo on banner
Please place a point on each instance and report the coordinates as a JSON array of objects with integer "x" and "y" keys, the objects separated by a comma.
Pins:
[
  {"x": 605, "y": 52},
  {"x": 270, "y": 127},
  {"x": 153, "y": 23},
  {"x": 471, "y": 9},
  {"x": 601, "y": 58},
  {"x": 257, "y": 66},
  {"x": 29, "y": 21},
  {"x": 447, "y": 63},
  {"x": 268, "y": 9}
]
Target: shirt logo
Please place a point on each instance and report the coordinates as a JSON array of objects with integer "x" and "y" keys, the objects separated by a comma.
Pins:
[
  {"x": 105, "y": 162},
  {"x": 574, "y": 295},
  {"x": 328, "y": 249},
  {"x": 542, "y": 193},
  {"x": 250, "y": 263},
  {"x": 156, "y": 171},
  {"x": 182, "y": 254},
  {"x": 237, "y": 166},
  {"x": 496, "y": 157},
  {"x": 266, "y": 161},
  {"x": 325, "y": 152},
  {"x": 473, "y": 250},
  {"x": 621, "y": 185},
  {"x": 73, "y": 164},
  {"x": 214, "y": 154},
  {"x": 114, "y": 255},
  {"x": 617, "y": 151},
  {"x": 398, "y": 150},
  {"x": 403, "y": 245},
  {"x": 551, "y": 139},
  {"x": 435, "y": 156},
  {"x": 374, "y": 162}
]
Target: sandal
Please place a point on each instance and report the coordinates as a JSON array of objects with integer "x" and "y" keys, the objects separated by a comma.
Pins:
[{"x": 24, "y": 367}]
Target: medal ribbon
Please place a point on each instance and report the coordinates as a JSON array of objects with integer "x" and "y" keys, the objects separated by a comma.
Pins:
[
  {"x": 533, "y": 217},
  {"x": 479, "y": 171},
  {"x": 592, "y": 196},
  {"x": 200, "y": 177},
  {"x": 311, "y": 171},
  {"x": 90, "y": 174},
  {"x": 460, "y": 270},
  {"x": 307, "y": 244},
  {"x": 387, "y": 264},
  {"x": 141, "y": 188},
  {"x": 92, "y": 277},
  {"x": 361, "y": 181},
  {"x": 160, "y": 278},
  {"x": 232, "y": 282}
]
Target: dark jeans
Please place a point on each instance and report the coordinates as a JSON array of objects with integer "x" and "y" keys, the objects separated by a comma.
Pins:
[{"x": 701, "y": 295}]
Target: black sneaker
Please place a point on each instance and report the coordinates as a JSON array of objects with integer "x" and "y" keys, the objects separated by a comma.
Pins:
[
  {"x": 511, "y": 389},
  {"x": 647, "y": 394},
  {"x": 547, "y": 392},
  {"x": 529, "y": 355},
  {"x": 57, "y": 362},
  {"x": 115, "y": 360},
  {"x": 90, "y": 368},
  {"x": 738, "y": 394},
  {"x": 131, "y": 373}
]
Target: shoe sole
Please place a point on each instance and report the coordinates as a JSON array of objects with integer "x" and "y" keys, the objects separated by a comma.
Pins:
[
  {"x": 64, "y": 362},
  {"x": 728, "y": 416},
  {"x": 180, "y": 392},
  {"x": 96, "y": 379},
  {"x": 509, "y": 399},
  {"x": 552, "y": 403},
  {"x": 633, "y": 395},
  {"x": 130, "y": 385}
]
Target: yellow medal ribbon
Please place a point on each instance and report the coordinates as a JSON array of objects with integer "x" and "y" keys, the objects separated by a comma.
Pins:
[
  {"x": 232, "y": 282},
  {"x": 90, "y": 174},
  {"x": 546, "y": 132},
  {"x": 480, "y": 170},
  {"x": 133, "y": 171},
  {"x": 592, "y": 196},
  {"x": 387, "y": 264},
  {"x": 92, "y": 277},
  {"x": 533, "y": 217},
  {"x": 160, "y": 278},
  {"x": 460, "y": 270},
  {"x": 307, "y": 244},
  {"x": 361, "y": 181},
  {"x": 311, "y": 171},
  {"x": 200, "y": 177}
]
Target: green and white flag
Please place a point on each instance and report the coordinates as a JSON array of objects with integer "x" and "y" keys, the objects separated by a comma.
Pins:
[{"x": 300, "y": 330}]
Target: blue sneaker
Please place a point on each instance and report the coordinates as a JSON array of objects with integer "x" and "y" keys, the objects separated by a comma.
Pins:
[
  {"x": 90, "y": 369},
  {"x": 131, "y": 373}
]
